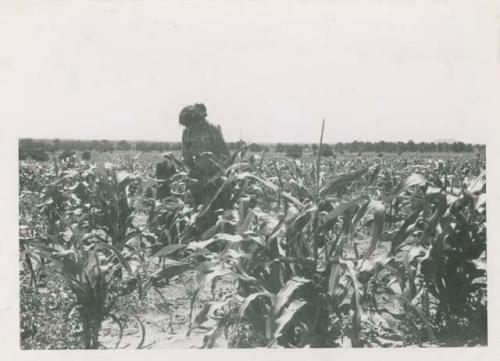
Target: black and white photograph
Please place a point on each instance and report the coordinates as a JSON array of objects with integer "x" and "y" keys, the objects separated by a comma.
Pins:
[{"x": 249, "y": 175}]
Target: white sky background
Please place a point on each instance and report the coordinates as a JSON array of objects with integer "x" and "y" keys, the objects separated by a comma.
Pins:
[{"x": 376, "y": 70}]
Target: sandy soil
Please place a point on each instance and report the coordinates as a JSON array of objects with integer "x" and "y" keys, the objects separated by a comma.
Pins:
[{"x": 167, "y": 326}]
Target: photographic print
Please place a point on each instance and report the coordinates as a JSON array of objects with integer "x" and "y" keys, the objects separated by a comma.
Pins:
[{"x": 249, "y": 175}]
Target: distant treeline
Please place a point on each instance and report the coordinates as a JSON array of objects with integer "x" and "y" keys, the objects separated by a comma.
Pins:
[
  {"x": 379, "y": 147},
  {"x": 39, "y": 149}
]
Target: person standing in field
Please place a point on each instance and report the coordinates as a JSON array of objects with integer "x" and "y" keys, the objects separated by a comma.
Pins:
[
  {"x": 204, "y": 151},
  {"x": 201, "y": 141},
  {"x": 165, "y": 170}
]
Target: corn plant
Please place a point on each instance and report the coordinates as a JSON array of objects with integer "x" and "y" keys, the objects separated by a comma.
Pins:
[{"x": 88, "y": 274}]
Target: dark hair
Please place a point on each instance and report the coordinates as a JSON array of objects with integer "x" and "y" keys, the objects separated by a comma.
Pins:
[
  {"x": 201, "y": 110},
  {"x": 192, "y": 113},
  {"x": 187, "y": 116}
]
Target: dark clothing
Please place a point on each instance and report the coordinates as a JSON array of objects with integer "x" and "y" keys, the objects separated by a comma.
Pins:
[
  {"x": 199, "y": 138},
  {"x": 164, "y": 170},
  {"x": 203, "y": 149}
]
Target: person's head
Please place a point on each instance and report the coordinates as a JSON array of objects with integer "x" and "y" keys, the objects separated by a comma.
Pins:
[
  {"x": 192, "y": 114},
  {"x": 201, "y": 110}
]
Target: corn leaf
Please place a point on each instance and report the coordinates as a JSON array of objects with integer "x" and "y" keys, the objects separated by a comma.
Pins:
[
  {"x": 343, "y": 181},
  {"x": 286, "y": 316}
]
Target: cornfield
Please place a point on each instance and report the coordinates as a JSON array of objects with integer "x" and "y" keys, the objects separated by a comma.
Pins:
[{"x": 323, "y": 252}]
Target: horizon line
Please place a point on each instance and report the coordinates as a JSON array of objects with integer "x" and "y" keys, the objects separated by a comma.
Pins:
[{"x": 447, "y": 141}]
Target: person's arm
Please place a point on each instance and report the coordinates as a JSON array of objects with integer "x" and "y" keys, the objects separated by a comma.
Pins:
[
  {"x": 187, "y": 155},
  {"x": 220, "y": 144}
]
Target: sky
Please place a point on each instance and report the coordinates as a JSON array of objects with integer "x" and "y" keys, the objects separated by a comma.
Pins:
[{"x": 268, "y": 71}]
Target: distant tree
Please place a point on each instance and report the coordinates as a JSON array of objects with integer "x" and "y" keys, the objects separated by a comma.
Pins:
[
  {"x": 56, "y": 145},
  {"x": 141, "y": 146},
  {"x": 279, "y": 148},
  {"x": 23, "y": 154},
  {"x": 80, "y": 145},
  {"x": 430, "y": 147},
  {"x": 105, "y": 146},
  {"x": 235, "y": 145},
  {"x": 39, "y": 155},
  {"x": 66, "y": 145},
  {"x": 123, "y": 145},
  {"x": 410, "y": 146},
  {"x": 400, "y": 148},
  {"x": 253, "y": 147},
  {"x": 294, "y": 150},
  {"x": 326, "y": 150},
  {"x": 339, "y": 148},
  {"x": 355, "y": 147},
  {"x": 94, "y": 145},
  {"x": 25, "y": 147}
]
